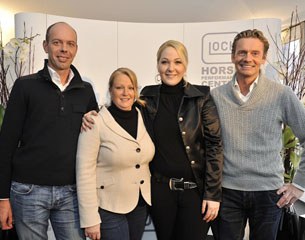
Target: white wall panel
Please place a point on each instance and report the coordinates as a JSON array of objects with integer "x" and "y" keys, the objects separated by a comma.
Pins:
[{"x": 138, "y": 44}]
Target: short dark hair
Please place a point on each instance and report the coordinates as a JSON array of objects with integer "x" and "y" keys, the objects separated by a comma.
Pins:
[
  {"x": 51, "y": 26},
  {"x": 251, "y": 33}
]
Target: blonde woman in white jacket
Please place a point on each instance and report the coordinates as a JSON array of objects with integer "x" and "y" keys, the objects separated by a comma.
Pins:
[{"x": 113, "y": 177}]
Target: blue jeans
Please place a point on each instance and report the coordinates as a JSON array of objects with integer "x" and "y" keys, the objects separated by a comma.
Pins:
[
  {"x": 259, "y": 207},
  {"x": 128, "y": 226},
  {"x": 34, "y": 205}
]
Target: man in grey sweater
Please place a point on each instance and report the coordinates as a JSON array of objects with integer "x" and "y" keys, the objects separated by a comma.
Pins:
[{"x": 252, "y": 111}]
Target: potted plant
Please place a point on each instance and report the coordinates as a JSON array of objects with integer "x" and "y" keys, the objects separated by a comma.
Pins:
[
  {"x": 290, "y": 67},
  {"x": 18, "y": 54}
]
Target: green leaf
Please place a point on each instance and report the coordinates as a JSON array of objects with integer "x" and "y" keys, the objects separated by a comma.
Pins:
[
  {"x": 292, "y": 143},
  {"x": 288, "y": 136},
  {"x": 295, "y": 159},
  {"x": 287, "y": 178},
  {"x": 290, "y": 147}
]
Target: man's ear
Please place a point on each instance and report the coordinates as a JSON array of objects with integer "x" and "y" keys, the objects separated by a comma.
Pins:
[{"x": 45, "y": 46}]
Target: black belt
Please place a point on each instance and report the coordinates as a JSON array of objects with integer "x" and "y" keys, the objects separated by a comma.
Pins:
[{"x": 175, "y": 184}]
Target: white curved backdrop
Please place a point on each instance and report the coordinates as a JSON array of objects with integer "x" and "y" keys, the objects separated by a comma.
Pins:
[{"x": 107, "y": 45}]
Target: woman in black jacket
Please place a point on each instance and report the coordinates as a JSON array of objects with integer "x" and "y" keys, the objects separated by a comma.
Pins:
[
  {"x": 187, "y": 167},
  {"x": 183, "y": 122}
]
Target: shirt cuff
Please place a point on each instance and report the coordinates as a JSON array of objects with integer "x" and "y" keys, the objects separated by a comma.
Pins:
[{"x": 302, "y": 198}]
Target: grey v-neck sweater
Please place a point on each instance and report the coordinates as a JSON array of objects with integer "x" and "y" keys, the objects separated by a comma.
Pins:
[{"x": 252, "y": 134}]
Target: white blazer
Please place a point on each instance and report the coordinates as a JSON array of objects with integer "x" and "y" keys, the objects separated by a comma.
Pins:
[{"x": 112, "y": 168}]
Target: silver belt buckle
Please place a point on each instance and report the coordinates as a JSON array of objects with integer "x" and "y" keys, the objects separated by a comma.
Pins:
[
  {"x": 172, "y": 184},
  {"x": 190, "y": 185}
]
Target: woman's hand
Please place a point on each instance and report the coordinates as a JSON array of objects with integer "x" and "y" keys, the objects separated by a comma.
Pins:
[
  {"x": 93, "y": 232},
  {"x": 210, "y": 210},
  {"x": 87, "y": 121}
]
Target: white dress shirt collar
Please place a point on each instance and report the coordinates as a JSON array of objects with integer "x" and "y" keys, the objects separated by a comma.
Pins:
[
  {"x": 56, "y": 79},
  {"x": 237, "y": 88}
]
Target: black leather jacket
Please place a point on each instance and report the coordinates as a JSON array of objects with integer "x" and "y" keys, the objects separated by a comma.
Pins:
[{"x": 200, "y": 130}]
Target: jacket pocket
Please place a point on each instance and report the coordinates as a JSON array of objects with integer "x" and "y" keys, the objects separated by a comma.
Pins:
[
  {"x": 105, "y": 183},
  {"x": 78, "y": 111}
]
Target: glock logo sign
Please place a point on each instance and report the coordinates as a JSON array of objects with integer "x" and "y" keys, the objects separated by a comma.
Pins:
[{"x": 216, "y": 47}]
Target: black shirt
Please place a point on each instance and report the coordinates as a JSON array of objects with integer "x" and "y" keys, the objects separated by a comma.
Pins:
[
  {"x": 170, "y": 158},
  {"x": 126, "y": 119}
]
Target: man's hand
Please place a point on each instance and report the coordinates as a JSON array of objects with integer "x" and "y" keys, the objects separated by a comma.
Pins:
[
  {"x": 210, "y": 210},
  {"x": 6, "y": 216},
  {"x": 87, "y": 121},
  {"x": 290, "y": 194},
  {"x": 93, "y": 232}
]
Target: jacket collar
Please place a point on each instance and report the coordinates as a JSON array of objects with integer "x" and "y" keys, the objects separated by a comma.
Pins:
[
  {"x": 189, "y": 91},
  {"x": 192, "y": 91},
  {"x": 258, "y": 90},
  {"x": 76, "y": 81},
  {"x": 110, "y": 122}
]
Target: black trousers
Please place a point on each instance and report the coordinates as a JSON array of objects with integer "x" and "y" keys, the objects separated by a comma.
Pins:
[
  {"x": 8, "y": 234},
  {"x": 177, "y": 214}
]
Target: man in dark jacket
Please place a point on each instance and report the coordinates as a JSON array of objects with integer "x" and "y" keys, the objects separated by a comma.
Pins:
[{"x": 38, "y": 142}]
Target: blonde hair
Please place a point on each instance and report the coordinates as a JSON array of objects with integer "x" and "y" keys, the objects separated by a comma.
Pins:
[
  {"x": 133, "y": 78},
  {"x": 179, "y": 47}
]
